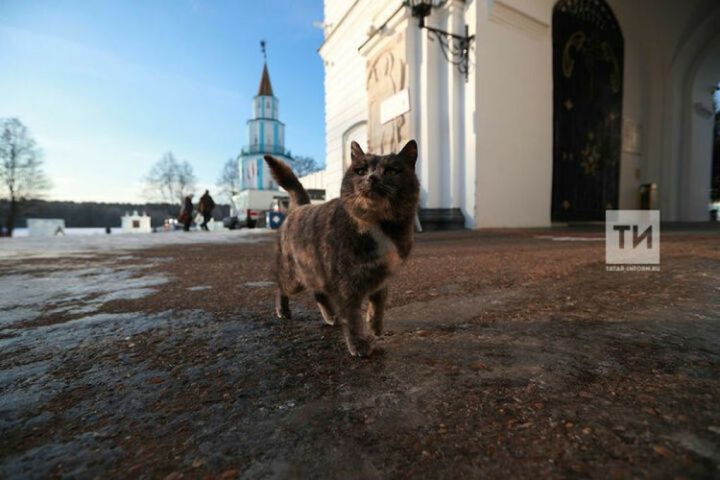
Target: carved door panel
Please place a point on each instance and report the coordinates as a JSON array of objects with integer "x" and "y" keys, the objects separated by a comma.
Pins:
[{"x": 587, "y": 74}]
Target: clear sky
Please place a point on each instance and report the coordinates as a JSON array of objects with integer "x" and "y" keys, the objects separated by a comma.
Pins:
[{"x": 106, "y": 87}]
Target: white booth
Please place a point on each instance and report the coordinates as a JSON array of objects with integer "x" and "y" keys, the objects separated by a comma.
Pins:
[{"x": 136, "y": 223}]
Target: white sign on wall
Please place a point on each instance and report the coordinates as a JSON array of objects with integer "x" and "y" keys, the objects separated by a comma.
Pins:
[{"x": 395, "y": 106}]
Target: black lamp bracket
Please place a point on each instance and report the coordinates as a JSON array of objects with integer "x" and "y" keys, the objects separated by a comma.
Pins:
[{"x": 455, "y": 48}]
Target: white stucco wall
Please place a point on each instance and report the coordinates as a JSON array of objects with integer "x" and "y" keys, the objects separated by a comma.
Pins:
[
  {"x": 514, "y": 114},
  {"x": 696, "y": 175},
  {"x": 663, "y": 40},
  {"x": 314, "y": 180},
  {"x": 346, "y": 100},
  {"x": 128, "y": 222},
  {"x": 442, "y": 102}
]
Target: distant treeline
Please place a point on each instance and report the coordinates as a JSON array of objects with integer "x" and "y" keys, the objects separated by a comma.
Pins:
[{"x": 93, "y": 214}]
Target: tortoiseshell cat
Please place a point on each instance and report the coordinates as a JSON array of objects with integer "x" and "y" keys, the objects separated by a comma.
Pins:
[{"x": 346, "y": 249}]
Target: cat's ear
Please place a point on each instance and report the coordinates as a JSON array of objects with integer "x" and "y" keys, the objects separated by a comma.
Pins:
[
  {"x": 409, "y": 153},
  {"x": 356, "y": 152}
]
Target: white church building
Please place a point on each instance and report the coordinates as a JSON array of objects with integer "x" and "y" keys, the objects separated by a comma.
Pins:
[{"x": 535, "y": 111}]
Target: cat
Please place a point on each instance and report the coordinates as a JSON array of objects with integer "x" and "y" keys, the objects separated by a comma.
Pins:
[{"x": 345, "y": 250}]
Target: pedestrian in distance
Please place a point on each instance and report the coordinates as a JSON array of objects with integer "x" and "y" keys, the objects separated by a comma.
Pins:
[
  {"x": 205, "y": 207},
  {"x": 186, "y": 213}
]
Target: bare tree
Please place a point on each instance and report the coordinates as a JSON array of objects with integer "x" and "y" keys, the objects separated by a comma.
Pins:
[
  {"x": 21, "y": 175},
  {"x": 229, "y": 180},
  {"x": 170, "y": 180},
  {"x": 304, "y": 166}
]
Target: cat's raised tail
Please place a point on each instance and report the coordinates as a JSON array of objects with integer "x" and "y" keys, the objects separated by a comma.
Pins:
[{"x": 285, "y": 177}]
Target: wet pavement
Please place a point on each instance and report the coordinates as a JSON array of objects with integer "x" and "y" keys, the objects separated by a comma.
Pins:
[{"x": 508, "y": 354}]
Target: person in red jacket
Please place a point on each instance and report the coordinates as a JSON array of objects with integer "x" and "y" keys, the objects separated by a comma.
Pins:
[{"x": 186, "y": 213}]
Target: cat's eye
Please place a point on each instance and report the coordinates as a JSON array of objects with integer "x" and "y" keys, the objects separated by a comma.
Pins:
[
  {"x": 361, "y": 171},
  {"x": 391, "y": 171}
]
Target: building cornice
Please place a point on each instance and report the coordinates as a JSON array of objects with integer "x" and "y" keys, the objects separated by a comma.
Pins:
[
  {"x": 266, "y": 119},
  {"x": 337, "y": 26},
  {"x": 391, "y": 22}
]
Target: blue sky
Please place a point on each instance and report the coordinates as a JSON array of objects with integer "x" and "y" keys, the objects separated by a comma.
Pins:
[{"x": 106, "y": 87}]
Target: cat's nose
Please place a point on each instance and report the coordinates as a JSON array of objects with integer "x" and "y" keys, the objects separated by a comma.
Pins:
[{"x": 373, "y": 179}]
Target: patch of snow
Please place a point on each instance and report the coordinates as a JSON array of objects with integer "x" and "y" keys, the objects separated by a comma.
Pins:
[
  {"x": 18, "y": 248},
  {"x": 199, "y": 288},
  {"x": 73, "y": 291},
  {"x": 262, "y": 283},
  {"x": 97, "y": 328},
  {"x": 571, "y": 239},
  {"x": 17, "y": 315}
]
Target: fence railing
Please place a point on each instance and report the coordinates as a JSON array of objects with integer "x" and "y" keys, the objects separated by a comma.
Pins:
[{"x": 271, "y": 149}]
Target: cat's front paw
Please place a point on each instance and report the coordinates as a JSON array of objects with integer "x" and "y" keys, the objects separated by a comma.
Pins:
[
  {"x": 283, "y": 314},
  {"x": 360, "y": 347}
]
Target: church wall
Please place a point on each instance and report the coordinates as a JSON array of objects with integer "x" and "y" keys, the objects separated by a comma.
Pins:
[
  {"x": 514, "y": 114},
  {"x": 443, "y": 112},
  {"x": 334, "y": 10},
  {"x": 467, "y": 176},
  {"x": 694, "y": 148},
  {"x": 441, "y": 115},
  {"x": 636, "y": 102},
  {"x": 315, "y": 180},
  {"x": 696, "y": 176},
  {"x": 637, "y": 122},
  {"x": 659, "y": 58},
  {"x": 509, "y": 28},
  {"x": 643, "y": 84},
  {"x": 514, "y": 119},
  {"x": 346, "y": 102}
]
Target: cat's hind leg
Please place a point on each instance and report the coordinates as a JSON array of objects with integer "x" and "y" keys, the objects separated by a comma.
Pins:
[
  {"x": 326, "y": 309},
  {"x": 359, "y": 344},
  {"x": 376, "y": 311},
  {"x": 288, "y": 284}
]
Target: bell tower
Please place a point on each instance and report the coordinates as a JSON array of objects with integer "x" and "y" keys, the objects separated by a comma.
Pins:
[{"x": 265, "y": 136}]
